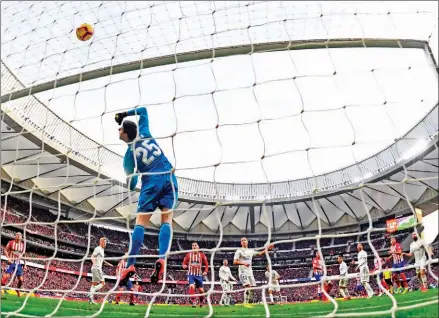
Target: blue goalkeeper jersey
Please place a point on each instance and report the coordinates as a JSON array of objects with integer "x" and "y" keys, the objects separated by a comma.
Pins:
[{"x": 149, "y": 157}]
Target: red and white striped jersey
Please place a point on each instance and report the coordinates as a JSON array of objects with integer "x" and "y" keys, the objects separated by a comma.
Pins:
[
  {"x": 120, "y": 267},
  {"x": 317, "y": 266},
  {"x": 396, "y": 249},
  {"x": 194, "y": 261},
  {"x": 16, "y": 251}
]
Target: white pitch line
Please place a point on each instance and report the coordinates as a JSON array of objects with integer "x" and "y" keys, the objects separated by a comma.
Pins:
[{"x": 311, "y": 313}]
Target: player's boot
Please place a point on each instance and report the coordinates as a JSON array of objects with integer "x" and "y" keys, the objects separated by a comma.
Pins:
[
  {"x": 91, "y": 301},
  {"x": 126, "y": 275},
  {"x": 194, "y": 304},
  {"x": 158, "y": 272},
  {"x": 405, "y": 291},
  {"x": 424, "y": 289},
  {"x": 132, "y": 304}
]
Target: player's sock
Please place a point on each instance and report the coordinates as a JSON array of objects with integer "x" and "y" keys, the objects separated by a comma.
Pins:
[
  {"x": 137, "y": 240},
  {"x": 246, "y": 293},
  {"x": 192, "y": 292},
  {"x": 94, "y": 289},
  {"x": 4, "y": 280},
  {"x": 19, "y": 284},
  {"x": 164, "y": 239},
  {"x": 404, "y": 280},
  {"x": 223, "y": 299},
  {"x": 396, "y": 280},
  {"x": 342, "y": 293},
  {"x": 250, "y": 296},
  {"x": 228, "y": 298},
  {"x": 424, "y": 281},
  {"x": 131, "y": 298},
  {"x": 383, "y": 282},
  {"x": 271, "y": 298},
  {"x": 117, "y": 298},
  {"x": 369, "y": 289}
]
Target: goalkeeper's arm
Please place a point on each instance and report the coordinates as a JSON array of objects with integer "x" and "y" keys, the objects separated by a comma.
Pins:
[{"x": 128, "y": 166}]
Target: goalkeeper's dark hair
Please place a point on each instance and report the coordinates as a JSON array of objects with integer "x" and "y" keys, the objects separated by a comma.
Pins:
[{"x": 130, "y": 128}]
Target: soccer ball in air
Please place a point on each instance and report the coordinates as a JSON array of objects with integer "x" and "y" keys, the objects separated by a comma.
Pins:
[{"x": 84, "y": 32}]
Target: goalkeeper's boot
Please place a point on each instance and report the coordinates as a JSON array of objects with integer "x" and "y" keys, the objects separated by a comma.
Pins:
[
  {"x": 158, "y": 271},
  {"x": 126, "y": 275}
]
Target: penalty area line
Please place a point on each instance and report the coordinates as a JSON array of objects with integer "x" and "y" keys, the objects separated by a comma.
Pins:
[{"x": 429, "y": 301}]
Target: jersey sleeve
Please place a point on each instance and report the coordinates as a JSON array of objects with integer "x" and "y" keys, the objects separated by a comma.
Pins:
[
  {"x": 237, "y": 255},
  {"x": 206, "y": 263},
  {"x": 186, "y": 259},
  {"x": 7, "y": 248},
  {"x": 96, "y": 251},
  {"x": 128, "y": 166},
  {"x": 143, "y": 120}
]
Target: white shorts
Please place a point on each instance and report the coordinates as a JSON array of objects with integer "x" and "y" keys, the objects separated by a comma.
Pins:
[
  {"x": 97, "y": 276},
  {"x": 364, "y": 274},
  {"x": 247, "y": 279},
  {"x": 343, "y": 282},
  {"x": 421, "y": 264},
  {"x": 227, "y": 286},
  {"x": 275, "y": 287}
]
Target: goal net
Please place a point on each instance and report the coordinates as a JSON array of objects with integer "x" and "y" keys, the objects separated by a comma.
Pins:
[{"x": 306, "y": 125}]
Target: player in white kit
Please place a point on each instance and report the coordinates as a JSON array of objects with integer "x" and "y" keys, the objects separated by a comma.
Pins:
[
  {"x": 343, "y": 283},
  {"x": 274, "y": 287},
  {"x": 364, "y": 269},
  {"x": 97, "y": 258},
  {"x": 418, "y": 250},
  {"x": 243, "y": 258},
  {"x": 225, "y": 276}
]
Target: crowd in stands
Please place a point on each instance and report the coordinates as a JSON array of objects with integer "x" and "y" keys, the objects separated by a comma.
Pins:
[{"x": 290, "y": 259}]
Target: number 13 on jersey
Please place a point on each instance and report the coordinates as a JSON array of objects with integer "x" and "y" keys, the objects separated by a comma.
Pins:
[{"x": 148, "y": 152}]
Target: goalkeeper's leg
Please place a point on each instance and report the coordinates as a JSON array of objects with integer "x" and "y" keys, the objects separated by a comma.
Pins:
[{"x": 166, "y": 203}]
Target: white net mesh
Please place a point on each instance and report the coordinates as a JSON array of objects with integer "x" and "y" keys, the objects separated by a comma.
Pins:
[{"x": 278, "y": 117}]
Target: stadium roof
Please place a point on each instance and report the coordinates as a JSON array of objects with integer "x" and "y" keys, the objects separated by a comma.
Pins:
[{"x": 314, "y": 124}]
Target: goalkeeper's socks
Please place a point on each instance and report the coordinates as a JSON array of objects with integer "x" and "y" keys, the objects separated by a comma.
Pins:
[
  {"x": 137, "y": 240},
  {"x": 164, "y": 239},
  {"x": 271, "y": 298}
]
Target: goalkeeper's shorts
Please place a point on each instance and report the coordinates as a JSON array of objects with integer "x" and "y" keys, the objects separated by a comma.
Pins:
[
  {"x": 11, "y": 269},
  {"x": 158, "y": 191}
]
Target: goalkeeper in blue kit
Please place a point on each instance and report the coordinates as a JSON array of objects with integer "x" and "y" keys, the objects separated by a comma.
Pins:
[{"x": 159, "y": 187}]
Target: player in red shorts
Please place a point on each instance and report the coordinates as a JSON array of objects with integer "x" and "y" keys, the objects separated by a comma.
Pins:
[
  {"x": 14, "y": 252},
  {"x": 398, "y": 263},
  {"x": 193, "y": 263}
]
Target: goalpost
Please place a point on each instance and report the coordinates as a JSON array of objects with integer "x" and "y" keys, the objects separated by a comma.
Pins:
[{"x": 174, "y": 57}]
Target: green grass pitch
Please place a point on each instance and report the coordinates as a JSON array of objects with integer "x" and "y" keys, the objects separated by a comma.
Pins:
[{"x": 42, "y": 306}]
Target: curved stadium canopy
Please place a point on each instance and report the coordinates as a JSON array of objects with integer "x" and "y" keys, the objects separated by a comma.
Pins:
[{"x": 285, "y": 126}]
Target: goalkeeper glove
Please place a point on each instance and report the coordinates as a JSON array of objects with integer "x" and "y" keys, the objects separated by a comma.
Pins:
[{"x": 119, "y": 117}]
